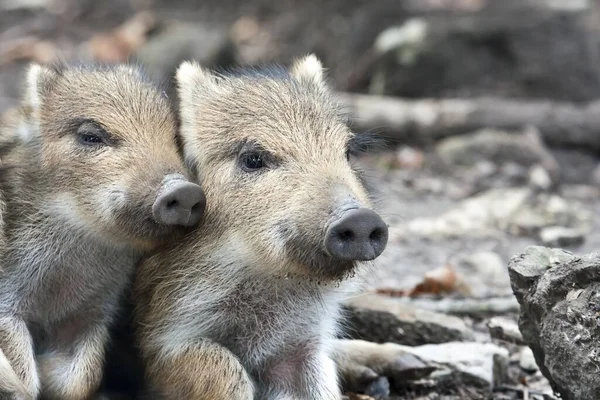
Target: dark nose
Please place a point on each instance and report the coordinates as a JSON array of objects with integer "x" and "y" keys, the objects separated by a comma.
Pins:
[
  {"x": 360, "y": 235},
  {"x": 179, "y": 203}
]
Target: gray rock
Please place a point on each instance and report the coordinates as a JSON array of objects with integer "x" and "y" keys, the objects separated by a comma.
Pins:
[
  {"x": 382, "y": 319},
  {"x": 361, "y": 363},
  {"x": 558, "y": 236},
  {"x": 482, "y": 364},
  {"x": 447, "y": 365},
  {"x": 505, "y": 329},
  {"x": 540, "y": 178},
  {"x": 527, "y": 361},
  {"x": 499, "y": 147},
  {"x": 559, "y": 294}
]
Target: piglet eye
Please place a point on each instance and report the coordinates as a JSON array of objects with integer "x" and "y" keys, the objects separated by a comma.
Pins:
[
  {"x": 252, "y": 161},
  {"x": 91, "y": 134},
  {"x": 90, "y": 139}
]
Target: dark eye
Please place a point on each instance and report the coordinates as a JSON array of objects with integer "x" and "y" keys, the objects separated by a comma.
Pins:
[
  {"x": 348, "y": 154},
  {"x": 90, "y": 139},
  {"x": 252, "y": 161},
  {"x": 90, "y": 134}
]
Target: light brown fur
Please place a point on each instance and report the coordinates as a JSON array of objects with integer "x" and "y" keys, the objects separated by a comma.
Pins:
[
  {"x": 78, "y": 217},
  {"x": 253, "y": 285}
]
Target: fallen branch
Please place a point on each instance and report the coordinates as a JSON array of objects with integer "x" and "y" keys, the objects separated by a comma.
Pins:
[{"x": 424, "y": 121}]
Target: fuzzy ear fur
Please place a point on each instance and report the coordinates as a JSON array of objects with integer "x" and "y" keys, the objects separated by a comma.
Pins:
[
  {"x": 37, "y": 81},
  {"x": 308, "y": 68},
  {"x": 190, "y": 76},
  {"x": 191, "y": 80}
]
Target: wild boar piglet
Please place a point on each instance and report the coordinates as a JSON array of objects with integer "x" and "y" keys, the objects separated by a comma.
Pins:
[
  {"x": 91, "y": 179},
  {"x": 247, "y": 306}
]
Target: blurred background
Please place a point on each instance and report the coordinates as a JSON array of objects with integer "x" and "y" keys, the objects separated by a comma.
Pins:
[{"x": 489, "y": 109}]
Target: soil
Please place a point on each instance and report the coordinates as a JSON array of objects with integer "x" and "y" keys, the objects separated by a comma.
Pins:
[{"x": 341, "y": 33}]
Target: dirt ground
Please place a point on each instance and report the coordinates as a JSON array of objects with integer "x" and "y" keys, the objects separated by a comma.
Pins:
[{"x": 444, "y": 211}]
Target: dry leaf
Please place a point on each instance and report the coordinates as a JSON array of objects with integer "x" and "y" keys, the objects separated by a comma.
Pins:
[
  {"x": 118, "y": 44},
  {"x": 440, "y": 280}
]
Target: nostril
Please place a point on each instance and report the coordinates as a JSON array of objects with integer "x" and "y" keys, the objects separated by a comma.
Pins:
[
  {"x": 346, "y": 235},
  {"x": 376, "y": 235},
  {"x": 172, "y": 203},
  {"x": 196, "y": 208}
]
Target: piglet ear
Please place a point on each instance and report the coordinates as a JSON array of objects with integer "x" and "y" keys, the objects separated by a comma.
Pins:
[
  {"x": 308, "y": 68},
  {"x": 192, "y": 78},
  {"x": 193, "y": 84},
  {"x": 38, "y": 81}
]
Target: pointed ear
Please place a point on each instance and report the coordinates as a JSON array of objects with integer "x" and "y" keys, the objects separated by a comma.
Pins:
[
  {"x": 308, "y": 68},
  {"x": 38, "y": 81},
  {"x": 190, "y": 76},
  {"x": 193, "y": 82}
]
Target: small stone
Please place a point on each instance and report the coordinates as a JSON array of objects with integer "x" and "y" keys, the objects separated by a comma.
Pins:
[
  {"x": 483, "y": 363},
  {"x": 499, "y": 147},
  {"x": 379, "y": 389},
  {"x": 486, "y": 168},
  {"x": 381, "y": 319},
  {"x": 540, "y": 178},
  {"x": 514, "y": 172},
  {"x": 505, "y": 329},
  {"x": 558, "y": 236},
  {"x": 527, "y": 361}
]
